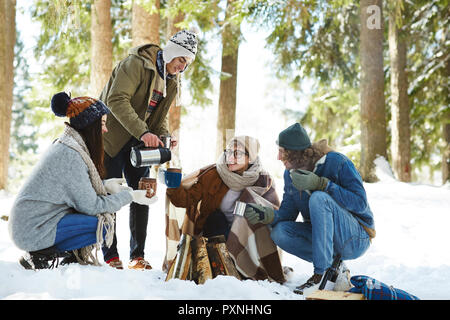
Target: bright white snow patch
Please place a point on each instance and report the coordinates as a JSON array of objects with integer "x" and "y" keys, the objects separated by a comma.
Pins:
[{"x": 409, "y": 252}]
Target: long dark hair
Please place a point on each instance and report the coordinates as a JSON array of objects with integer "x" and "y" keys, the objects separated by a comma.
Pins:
[{"x": 93, "y": 137}]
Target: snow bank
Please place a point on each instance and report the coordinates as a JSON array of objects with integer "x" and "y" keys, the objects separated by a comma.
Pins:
[{"x": 409, "y": 252}]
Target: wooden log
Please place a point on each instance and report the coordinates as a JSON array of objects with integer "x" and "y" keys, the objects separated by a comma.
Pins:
[
  {"x": 217, "y": 265},
  {"x": 189, "y": 271},
  {"x": 201, "y": 266},
  {"x": 216, "y": 239},
  {"x": 334, "y": 295},
  {"x": 182, "y": 260},
  {"x": 170, "y": 271},
  {"x": 221, "y": 261},
  {"x": 228, "y": 263}
]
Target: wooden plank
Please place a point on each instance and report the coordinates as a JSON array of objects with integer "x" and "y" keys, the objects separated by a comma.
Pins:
[{"x": 334, "y": 295}]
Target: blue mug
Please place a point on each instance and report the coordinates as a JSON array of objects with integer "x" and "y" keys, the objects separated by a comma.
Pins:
[{"x": 172, "y": 177}]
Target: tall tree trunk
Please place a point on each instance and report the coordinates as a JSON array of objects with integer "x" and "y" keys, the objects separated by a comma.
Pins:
[
  {"x": 446, "y": 153},
  {"x": 373, "y": 113},
  {"x": 145, "y": 25},
  {"x": 101, "y": 46},
  {"x": 400, "y": 145},
  {"x": 175, "y": 109},
  {"x": 7, "y": 43},
  {"x": 226, "y": 118},
  {"x": 446, "y": 134}
]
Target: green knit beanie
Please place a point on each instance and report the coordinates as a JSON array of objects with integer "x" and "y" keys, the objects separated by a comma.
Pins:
[{"x": 294, "y": 138}]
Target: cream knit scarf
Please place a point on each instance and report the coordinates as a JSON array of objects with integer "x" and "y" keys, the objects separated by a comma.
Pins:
[
  {"x": 236, "y": 181},
  {"x": 73, "y": 139}
]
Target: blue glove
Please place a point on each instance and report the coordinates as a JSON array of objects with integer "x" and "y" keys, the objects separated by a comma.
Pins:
[{"x": 307, "y": 180}]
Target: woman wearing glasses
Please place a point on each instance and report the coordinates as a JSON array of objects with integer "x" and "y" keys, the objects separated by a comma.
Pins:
[{"x": 238, "y": 175}]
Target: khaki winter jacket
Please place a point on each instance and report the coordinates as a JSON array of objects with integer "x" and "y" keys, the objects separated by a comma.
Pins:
[{"x": 127, "y": 94}]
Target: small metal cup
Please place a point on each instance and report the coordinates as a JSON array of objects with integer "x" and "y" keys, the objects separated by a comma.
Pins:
[
  {"x": 167, "y": 140},
  {"x": 239, "y": 208}
]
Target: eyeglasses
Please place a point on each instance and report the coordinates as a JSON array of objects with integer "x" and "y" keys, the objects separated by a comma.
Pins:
[{"x": 238, "y": 154}]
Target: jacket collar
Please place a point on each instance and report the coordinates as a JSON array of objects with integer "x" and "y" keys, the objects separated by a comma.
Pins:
[
  {"x": 146, "y": 53},
  {"x": 322, "y": 145},
  {"x": 319, "y": 162},
  {"x": 160, "y": 65}
]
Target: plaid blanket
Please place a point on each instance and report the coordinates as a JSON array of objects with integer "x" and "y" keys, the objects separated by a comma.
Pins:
[
  {"x": 255, "y": 254},
  {"x": 376, "y": 290},
  {"x": 180, "y": 220},
  {"x": 250, "y": 246}
]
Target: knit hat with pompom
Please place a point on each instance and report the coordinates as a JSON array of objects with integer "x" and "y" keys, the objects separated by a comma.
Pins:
[{"x": 81, "y": 111}]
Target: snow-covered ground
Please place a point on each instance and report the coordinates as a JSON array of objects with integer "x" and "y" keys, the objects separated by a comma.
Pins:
[{"x": 410, "y": 252}]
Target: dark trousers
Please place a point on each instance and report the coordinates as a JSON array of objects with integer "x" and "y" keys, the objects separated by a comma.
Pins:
[
  {"x": 138, "y": 213},
  {"x": 216, "y": 224}
]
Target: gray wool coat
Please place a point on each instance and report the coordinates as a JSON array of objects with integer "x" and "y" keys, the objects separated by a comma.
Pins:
[{"x": 58, "y": 185}]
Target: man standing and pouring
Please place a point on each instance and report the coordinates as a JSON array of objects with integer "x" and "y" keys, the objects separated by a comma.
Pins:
[{"x": 139, "y": 94}]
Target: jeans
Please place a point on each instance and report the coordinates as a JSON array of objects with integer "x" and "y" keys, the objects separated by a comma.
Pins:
[
  {"x": 75, "y": 231},
  {"x": 332, "y": 230},
  {"x": 115, "y": 167}
]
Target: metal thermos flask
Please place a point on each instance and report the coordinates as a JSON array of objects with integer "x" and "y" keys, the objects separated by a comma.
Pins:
[{"x": 141, "y": 156}]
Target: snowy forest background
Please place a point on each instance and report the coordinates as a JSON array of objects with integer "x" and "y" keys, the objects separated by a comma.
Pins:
[{"x": 370, "y": 76}]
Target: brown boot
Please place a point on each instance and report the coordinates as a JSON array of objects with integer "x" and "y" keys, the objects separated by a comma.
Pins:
[
  {"x": 115, "y": 263},
  {"x": 139, "y": 263}
]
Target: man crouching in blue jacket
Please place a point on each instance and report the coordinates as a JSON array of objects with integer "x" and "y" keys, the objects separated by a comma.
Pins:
[{"x": 325, "y": 187}]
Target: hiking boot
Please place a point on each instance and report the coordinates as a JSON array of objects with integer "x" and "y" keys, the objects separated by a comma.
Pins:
[
  {"x": 33, "y": 262},
  {"x": 115, "y": 263},
  {"x": 40, "y": 259},
  {"x": 139, "y": 264},
  {"x": 70, "y": 258},
  {"x": 342, "y": 282},
  {"x": 339, "y": 282},
  {"x": 311, "y": 285}
]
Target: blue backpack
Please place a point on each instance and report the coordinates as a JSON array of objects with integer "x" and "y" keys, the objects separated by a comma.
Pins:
[{"x": 376, "y": 290}]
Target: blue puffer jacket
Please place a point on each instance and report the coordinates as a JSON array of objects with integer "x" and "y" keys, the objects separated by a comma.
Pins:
[{"x": 345, "y": 187}]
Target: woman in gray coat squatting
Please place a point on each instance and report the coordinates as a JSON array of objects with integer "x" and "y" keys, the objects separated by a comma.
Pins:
[{"x": 64, "y": 208}]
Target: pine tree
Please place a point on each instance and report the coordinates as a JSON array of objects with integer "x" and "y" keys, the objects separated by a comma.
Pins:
[{"x": 7, "y": 42}]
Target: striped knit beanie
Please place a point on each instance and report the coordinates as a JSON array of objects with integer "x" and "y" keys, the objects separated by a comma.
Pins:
[{"x": 81, "y": 111}]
